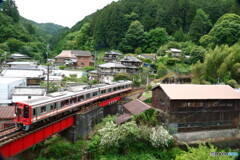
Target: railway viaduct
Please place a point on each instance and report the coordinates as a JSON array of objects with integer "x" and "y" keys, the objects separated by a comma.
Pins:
[{"x": 73, "y": 127}]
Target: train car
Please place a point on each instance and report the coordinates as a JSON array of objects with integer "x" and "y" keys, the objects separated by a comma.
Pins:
[{"x": 36, "y": 112}]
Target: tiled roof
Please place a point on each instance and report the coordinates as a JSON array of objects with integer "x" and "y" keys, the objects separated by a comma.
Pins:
[
  {"x": 79, "y": 53},
  {"x": 19, "y": 56},
  {"x": 130, "y": 59},
  {"x": 7, "y": 112},
  {"x": 66, "y": 54},
  {"x": 148, "y": 56},
  {"x": 113, "y": 53},
  {"x": 193, "y": 91},
  {"x": 112, "y": 65},
  {"x": 135, "y": 107}
]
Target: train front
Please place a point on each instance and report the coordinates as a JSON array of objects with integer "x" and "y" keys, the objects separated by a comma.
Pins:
[{"x": 22, "y": 116}]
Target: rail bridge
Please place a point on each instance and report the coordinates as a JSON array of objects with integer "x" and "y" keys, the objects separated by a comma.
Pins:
[{"x": 14, "y": 141}]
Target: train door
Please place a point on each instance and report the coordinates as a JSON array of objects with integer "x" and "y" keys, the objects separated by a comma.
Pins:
[{"x": 19, "y": 113}]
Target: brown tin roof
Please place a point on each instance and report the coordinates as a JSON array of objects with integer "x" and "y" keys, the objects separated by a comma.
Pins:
[
  {"x": 194, "y": 91},
  {"x": 123, "y": 118},
  {"x": 135, "y": 107},
  {"x": 6, "y": 112},
  {"x": 66, "y": 54}
]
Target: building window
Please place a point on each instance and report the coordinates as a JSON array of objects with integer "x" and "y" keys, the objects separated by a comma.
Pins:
[{"x": 82, "y": 63}]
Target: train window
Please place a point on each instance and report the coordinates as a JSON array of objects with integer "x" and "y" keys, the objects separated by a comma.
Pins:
[
  {"x": 119, "y": 87},
  {"x": 109, "y": 90},
  {"x": 80, "y": 98},
  {"x": 43, "y": 109},
  {"x": 94, "y": 93},
  {"x": 64, "y": 103},
  {"x": 114, "y": 89},
  {"x": 19, "y": 112},
  {"x": 53, "y": 106},
  {"x": 74, "y": 99},
  {"x": 26, "y": 111},
  {"x": 34, "y": 111},
  {"x": 103, "y": 91},
  {"x": 88, "y": 95}
]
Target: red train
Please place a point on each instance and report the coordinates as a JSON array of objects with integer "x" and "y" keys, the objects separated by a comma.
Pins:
[{"x": 34, "y": 112}]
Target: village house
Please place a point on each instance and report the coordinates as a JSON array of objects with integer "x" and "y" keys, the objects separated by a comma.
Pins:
[
  {"x": 174, "y": 52},
  {"x": 197, "y": 107},
  {"x": 75, "y": 58},
  {"x": 106, "y": 72},
  {"x": 84, "y": 58},
  {"x": 132, "y": 64},
  {"x": 66, "y": 58},
  {"x": 111, "y": 56}
]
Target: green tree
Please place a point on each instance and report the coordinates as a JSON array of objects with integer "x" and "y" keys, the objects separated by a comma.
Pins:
[
  {"x": 134, "y": 37},
  {"x": 226, "y": 30},
  {"x": 180, "y": 36},
  {"x": 10, "y": 9},
  {"x": 200, "y": 25},
  {"x": 122, "y": 76},
  {"x": 155, "y": 38}
]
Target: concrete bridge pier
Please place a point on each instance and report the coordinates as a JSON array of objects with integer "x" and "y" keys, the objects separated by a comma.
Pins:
[{"x": 85, "y": 120}]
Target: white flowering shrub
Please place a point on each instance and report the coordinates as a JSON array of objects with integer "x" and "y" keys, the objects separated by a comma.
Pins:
[
  {"x": 112, "y": 134},
  {"x": 109, "y": 134},
  {"x": 159, "y": 137}
]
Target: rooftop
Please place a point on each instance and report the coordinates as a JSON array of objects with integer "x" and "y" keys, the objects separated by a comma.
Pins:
[
  {"x": 81, "y": 53},
  {"x": 135, "y": 107},
  {"x": 66, "y": 54},
  {"x": 194, "y": 91},
  {"x": 112, "y": 65},
  {"x": 25, "y": 91},
  {"x": 19, "y": 56},
  {"x": 130, "y": 59},
  {"x": 174, "y": 50},
  {"x": 23, "y": 63},
  {"x": 7, "y": 112},
  {"x": 14, "y": 72},
  {"x": 113, "y": 52},
  {"x": 148, "y": 56}
]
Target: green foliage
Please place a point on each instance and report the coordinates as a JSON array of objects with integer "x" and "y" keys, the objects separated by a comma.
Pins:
[
  {"x": 201, "y": 25},
  {"x": 62, "y": 67},
  {"x": 220, "y": 65},
  {"x": 232, "y": 83},
  {"x": 225, "y": 31},
  {"x": 133, "y": 37},
  {"x": 122, "y": 76},
  {"x": 155, "y": 38},
  {"x": 138, "y": 50},
  {"x": 88, "y": 68},
  {"x": 202, "y": 152},
  {"x": 109, "y": 27},
  {"x": 162, "y": 70},
  {"x": 53, "y": 86},
  {"x": 9, "y": 8}
]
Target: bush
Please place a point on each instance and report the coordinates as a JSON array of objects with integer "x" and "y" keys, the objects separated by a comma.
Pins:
[
  {"x": 88, "y": 68},
  {"x": 62, "y": 67},
  {"x": 122, "y": 76},
  {"x": 232, "y": 83}
]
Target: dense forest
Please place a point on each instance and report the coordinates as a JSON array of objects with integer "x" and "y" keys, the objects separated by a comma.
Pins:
[
  {"x": 24, "y": 36},
  {"x": 130, "y": 24}
]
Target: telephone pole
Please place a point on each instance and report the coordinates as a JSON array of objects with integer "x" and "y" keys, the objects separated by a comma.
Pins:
[{"x": 47, "y": 71}]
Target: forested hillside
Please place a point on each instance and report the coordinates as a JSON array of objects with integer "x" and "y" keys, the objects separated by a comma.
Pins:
[
  {"x": 24, "y": 36},
  {"x": 129, "y": 24}
]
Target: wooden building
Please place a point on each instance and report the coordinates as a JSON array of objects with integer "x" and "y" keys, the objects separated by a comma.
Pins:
[
  {"x": 197, "y": 107},
  {"x": 112, "y": 56}
]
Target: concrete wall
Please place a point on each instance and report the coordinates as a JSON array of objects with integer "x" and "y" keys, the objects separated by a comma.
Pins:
[{"x": 85, "y": 121}]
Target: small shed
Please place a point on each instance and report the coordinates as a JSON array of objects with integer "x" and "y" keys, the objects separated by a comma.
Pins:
[{"x": 132, "y": 108}]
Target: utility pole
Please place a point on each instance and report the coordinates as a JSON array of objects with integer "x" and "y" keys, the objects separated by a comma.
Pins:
[
  {"x": 47, "y": 70},
  {"x": 5, "y": 57}
]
